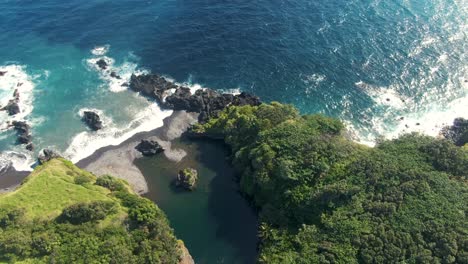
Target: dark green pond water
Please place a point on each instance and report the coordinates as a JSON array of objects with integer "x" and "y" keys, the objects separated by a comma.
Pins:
[{"x": 215, "y": 221}]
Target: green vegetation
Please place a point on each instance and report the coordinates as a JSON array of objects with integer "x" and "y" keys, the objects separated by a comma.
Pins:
[
  {"x": 187, "y": 178},
  {"x": 62, "y": 214},
  {"x": 325, "y": 199}
]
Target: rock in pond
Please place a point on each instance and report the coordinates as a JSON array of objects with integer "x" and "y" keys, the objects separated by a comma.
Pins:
[
  {"x": 149, "y": 147},
  {"x": 187, "y": 179},
  {"x": 92, "y": 120},
  {"x": 46, "y": 155}
]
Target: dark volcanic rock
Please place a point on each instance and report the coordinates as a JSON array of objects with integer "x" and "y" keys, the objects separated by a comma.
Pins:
[
  {"x": 102, "y": 64},
  {"x": 458, "y": 132},
  {"x": 205, "y": 101},
  {"x": 2, "y": 73},
  {"x": 149, "y": 147},
  {"x": 115, "y": 75},
  {"x": 12, "y": 107},
  {"x": 151, "y": 85},
  {"x": 187, "y": 179},
  {"x": 46, "y": 155},
  {"x": 92, "y": 120},
  {"x": 30, "y": 147},
  {"x": 23, "y": 132}
]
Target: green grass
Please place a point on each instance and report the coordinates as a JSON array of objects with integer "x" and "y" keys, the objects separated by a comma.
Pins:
[{"x": 51, "y": 188}]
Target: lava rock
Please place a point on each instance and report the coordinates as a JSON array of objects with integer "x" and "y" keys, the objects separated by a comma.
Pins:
[
  {"x": 187, "y": 179},
  {"x": 102, "y": 64},
  {"x": 30, "y": 147},
  {"x": 12, "y": 107},
  {"x": 92, "y": 120},
  {"x": 2, "y": 73},
  {"x": 46, "y": 155},
  {"x": 23, "y": 132},
  {"x": 151, "y": 85},
  {"x": 149, "y": 147},
  {"x": 115, "y": 75}
]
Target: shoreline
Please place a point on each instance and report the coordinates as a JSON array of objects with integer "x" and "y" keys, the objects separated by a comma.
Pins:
[{"x": 118, "y": 160}]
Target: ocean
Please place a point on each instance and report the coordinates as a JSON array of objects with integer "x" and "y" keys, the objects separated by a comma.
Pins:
[{"x": 383, "y": 67}]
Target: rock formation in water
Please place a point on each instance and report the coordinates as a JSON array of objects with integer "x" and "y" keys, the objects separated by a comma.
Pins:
[
  {"x": 46, "y": 155},
  {"x": 149, "y": 147},
  {"x": 23, "y": 131},
  {"x": 458, "y": 132},
  {"x": 102, "y": 64},
  {"x": 12, "y": 106},
  {"x": 204, "y": 101},
  {"x": 187, "y": 179},
  {"x": 2, "y": 73},
  {"x": 92, "y": 120}
]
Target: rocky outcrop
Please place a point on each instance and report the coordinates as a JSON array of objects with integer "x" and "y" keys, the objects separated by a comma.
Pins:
[
  {"x": 151, "y": 85},
  {"x": 92, "y": 120},
  {"x": 187, "y": 179},
  {"x": 23, "y": 131},
  {"x": 12, "y": 106},
  {"x": 458, "y": 132},
  {"x": 102, "y": 64},
  {"x": 204, "y": 101},
  {"x": 47, "y": 154},
  {"x": 149, "y": 147}
]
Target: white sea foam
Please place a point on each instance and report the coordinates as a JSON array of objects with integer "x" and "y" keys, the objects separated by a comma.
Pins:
[
  {"x": 15, "y": 78},
  {"x": 86, "y": 143},
  {"x": 100, "y": 50},
  {"x": 18, "y": 159},
  {"x": 124, "y": 71}
]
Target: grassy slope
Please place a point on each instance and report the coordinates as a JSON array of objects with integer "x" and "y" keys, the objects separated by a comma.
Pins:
[{"x": 51, "y": 187}]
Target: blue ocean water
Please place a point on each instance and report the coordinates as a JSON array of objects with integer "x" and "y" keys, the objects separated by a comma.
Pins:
[{"x": 384, "y": 67}]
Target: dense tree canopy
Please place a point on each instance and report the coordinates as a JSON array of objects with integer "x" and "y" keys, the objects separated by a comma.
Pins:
[{"x": 325, "y": 199}]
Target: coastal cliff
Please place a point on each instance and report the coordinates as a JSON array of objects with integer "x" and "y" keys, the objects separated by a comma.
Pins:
[{"x": 64, "y": 214}]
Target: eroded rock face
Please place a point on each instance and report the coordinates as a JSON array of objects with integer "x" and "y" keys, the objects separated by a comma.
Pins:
[
  {"x": 92, "y": 120},
  {"x": 187, "y": 179},
  {"x": 204, "y": 101},
  {"x": 149, "y": 147},
  {"x": 46, "y": 155},
  {"x": 458, "y": 132}
]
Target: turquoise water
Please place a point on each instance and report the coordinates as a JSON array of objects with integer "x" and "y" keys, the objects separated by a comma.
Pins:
[
  {"x": 215, "y": 222},
  {"x": 368, "y": 62}
]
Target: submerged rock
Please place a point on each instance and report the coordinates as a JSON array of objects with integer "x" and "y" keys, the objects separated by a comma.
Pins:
[
  {"x": 92, "y": 120},
  {"x": 102, "y": 64},
  {"x": 115, "y": 75},
  {"x": 149, "y": 147},
  {"x": 458, "y": 132},
  {"x": 187, "y": 179},
  {"x": 46, "y": 155}
]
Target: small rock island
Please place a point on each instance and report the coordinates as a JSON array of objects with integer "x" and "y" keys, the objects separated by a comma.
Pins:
[{"x": 187, "y": 179}]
